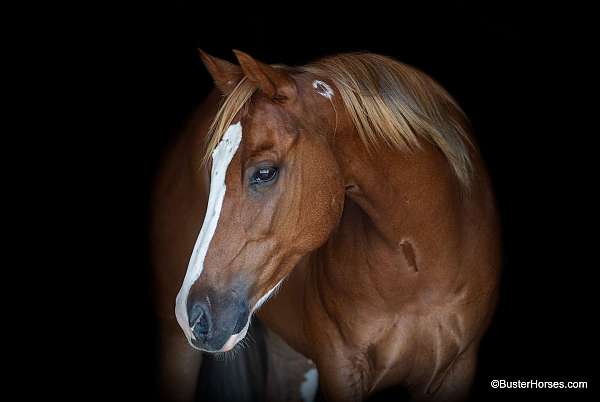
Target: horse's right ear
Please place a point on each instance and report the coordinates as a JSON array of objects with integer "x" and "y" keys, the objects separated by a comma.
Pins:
[
  {"x": 225, "y": 75},
  {"x": 273, "y": 82}
]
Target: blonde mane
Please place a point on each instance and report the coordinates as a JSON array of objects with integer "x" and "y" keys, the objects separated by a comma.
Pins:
[{"x": 389, "y": 103}]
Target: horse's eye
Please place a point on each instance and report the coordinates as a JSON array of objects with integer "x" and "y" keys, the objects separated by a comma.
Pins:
[{"x": 263, "y": 175}]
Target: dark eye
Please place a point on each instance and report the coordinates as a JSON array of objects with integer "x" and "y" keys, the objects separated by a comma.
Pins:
[{"x": 264, "y": 175}]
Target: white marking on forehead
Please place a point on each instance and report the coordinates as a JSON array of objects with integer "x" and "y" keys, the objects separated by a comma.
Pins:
[
  {"x": 221, "y": 158},
  {"x": 308, "y": 388},
  {"x": 235, "y": 338},
  {"x": 323, "y": 88}
]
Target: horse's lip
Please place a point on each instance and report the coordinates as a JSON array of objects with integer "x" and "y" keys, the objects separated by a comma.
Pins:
[{"x": 240, "y": 323}]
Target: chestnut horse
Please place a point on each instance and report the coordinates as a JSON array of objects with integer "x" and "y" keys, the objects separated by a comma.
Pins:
[{"x": 350, "y": 192}]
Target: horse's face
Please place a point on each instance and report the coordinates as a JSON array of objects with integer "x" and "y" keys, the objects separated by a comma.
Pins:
[{"x": 276, "y": 194}]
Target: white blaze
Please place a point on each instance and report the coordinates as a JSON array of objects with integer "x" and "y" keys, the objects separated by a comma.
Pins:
[{"x": 221, "y": 158}]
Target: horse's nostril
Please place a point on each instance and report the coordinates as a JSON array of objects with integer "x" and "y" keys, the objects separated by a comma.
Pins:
[
  {"x": 194, "y": 313},
  {"x": 201, "y": 328},
  {"x": 199, "y": 321}
]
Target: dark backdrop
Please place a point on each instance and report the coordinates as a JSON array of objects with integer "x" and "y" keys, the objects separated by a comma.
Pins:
[{"x": 504, "y": 65}]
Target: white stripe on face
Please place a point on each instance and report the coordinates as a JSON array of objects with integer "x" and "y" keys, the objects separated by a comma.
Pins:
[{"x": 221, "y": 158}]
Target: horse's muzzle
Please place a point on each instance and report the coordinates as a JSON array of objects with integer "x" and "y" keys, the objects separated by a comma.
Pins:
[{"x": 213, "y": 323}]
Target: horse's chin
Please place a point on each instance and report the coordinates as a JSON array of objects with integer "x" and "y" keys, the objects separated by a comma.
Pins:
[
  {"x": 235, "y": 338},
  {"x": 228, "y": 346}
]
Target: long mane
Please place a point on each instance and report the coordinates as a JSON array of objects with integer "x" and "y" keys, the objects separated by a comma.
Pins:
[{"x": 390, "y": 104}]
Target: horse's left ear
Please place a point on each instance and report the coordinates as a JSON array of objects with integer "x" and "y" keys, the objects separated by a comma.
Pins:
[
  {"x": 224, "y": 74},
  {"x": 273, "y": 82}
]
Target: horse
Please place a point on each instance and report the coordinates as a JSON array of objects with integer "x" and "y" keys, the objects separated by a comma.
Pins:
[{"x": 345, "y": 203}]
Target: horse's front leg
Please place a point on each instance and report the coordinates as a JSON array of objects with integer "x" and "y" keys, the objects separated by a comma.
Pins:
[
  {"x": 343, "y": 376},
  {"x": 455, "y": 384},
  {"x": 291, "y": 376}
]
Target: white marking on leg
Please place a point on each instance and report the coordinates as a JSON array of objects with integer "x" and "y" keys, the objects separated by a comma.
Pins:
[
  {"x": 323, "y": 89},
  {"x": 221, "y": 158},
  {"x": 308, "y": 388}
]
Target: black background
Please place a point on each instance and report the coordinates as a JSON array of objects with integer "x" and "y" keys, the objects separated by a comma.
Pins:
[{"x": 506, "y": 66}]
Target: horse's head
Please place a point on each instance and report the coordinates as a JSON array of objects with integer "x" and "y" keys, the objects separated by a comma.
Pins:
[{"x": 276, "y": 193}]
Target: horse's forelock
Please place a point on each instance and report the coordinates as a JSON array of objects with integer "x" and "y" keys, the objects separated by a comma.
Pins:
[{"x": 229, "y": 108}]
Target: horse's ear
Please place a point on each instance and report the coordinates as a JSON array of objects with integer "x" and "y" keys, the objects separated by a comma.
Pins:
[
  {"x": 225, "y": 75},
  {"x": 273, "y": 82}
]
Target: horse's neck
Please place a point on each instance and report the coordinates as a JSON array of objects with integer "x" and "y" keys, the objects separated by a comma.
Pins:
[{"x": 400, "y": 217}]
